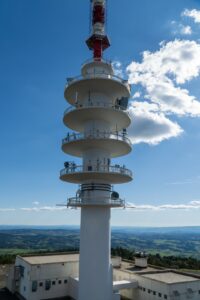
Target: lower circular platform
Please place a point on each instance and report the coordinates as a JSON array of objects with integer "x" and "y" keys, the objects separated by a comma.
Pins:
[
  {"x": 78, "y": 202},
  {"x": 109, "y": 174}
]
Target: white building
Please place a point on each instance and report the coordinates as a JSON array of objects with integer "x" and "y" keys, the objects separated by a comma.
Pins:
[
  {"x": 56, "y": 276},
  {"x": 43, "y": 277}
]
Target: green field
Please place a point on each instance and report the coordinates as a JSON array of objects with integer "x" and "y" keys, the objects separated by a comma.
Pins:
[{"x": 177, "y": 242}]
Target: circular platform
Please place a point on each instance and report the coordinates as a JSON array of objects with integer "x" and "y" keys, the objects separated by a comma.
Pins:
[
  {"x": 75, "y": 118},
  {"x": 116, "y": 144},
  {"x": 81, "y": 202},
  {"x": 112, "y": 86},
  {"x": 109, "y": 174}
]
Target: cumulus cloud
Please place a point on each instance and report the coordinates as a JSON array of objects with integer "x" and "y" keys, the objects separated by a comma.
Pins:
[
  {"x": 193, "y": 13},
  {"x": 117, "y": 67},
  {"x": 161, "y": 75},
  {"x": 36, "y": 203},
  {"x": 187, "y": 30},
  {"x": 180, "y": 29},
  {"x": 149, "y": 126},
  {"x": 178, "y": 58},
  {"x": 195, "y": 204}
]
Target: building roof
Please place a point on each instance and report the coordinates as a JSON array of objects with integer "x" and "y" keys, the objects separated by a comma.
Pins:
[
  {"x": 170, "y": 277},
  {"x": 50, "y": 259},
  {"x": 130, "y": 267}
]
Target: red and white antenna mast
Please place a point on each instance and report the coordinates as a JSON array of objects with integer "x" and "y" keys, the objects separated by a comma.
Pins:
[{"x": 98, "y": 41}]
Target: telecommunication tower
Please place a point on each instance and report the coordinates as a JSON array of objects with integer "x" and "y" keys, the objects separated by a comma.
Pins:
[{"x": 98, "y": 117}]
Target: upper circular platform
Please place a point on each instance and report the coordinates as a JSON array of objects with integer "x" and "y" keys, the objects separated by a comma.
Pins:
[
  {"x": 91, "y": 65},
  {"x": 76, "y": 117},
  {"x": 95, "y": 82}
]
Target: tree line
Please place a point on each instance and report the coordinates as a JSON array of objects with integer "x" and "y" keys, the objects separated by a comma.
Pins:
[{"x": 173, "y": 262}]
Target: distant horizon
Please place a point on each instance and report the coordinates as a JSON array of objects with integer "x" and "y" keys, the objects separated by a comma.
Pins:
[{"x": 112, "y": 226}]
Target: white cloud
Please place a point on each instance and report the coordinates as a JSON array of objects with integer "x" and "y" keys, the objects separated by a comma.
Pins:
[
  {"x": 187, "y": 30},
  {"x": 136, "y": 95},
  {"x": 161, "y": 75},
  {"x": 43, "y": 208},
  {"x": 185, "y": 181},
  {"x": 36, "y": 203},
  {"x": 193, "y": 13},
  {"x": 179, "y": 59},
  {"x": 179, "y": 28},
  {"x": 117, "y": 67},
  {"x": 195, "y": 204},
  {"x": 7, "y": 209},
  {"x": 149, "y": 126}
]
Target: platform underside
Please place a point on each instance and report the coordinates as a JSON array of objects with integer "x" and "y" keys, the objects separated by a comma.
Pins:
[
  {"x": 81, "y": 177},
  {"x": 114, "y": 147},
  {"x": 77, "y": 118}
]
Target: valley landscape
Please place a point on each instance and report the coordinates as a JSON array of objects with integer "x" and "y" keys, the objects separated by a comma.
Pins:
[{"x": 172, "y": 241}]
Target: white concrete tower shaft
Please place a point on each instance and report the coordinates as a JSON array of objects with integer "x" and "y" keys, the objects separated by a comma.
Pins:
[{"x": 98, "y": 118}]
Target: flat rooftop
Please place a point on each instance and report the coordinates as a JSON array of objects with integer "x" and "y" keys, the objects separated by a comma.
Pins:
[
  {"x": 169, "y": 277},
  {"x": 50, "y": 259},
  {"x": 128, "y": 266}
]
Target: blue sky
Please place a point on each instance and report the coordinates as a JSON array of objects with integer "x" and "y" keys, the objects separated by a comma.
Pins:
[{"x": 42, "y": 43}]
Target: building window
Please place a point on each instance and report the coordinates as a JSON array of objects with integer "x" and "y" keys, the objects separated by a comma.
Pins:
[
  {"x": 144, "y": 289},
  {"x": 199, "y": 291},
  {"x": 53, "y": 282},
  {"x": 176, "y": 293},
  {"x": 154, "y": 293},
  {"x": 41, "y": 284},
  {"x": 165, "y": 296},
  {"x": 24, "y": 288},
  {"x": 65, "y": 281},
  {"x": 59, "y": 281},
  {"x": 34, "y": 286},
  {"x": 149, "y": 291},
  {"x": 47, "y": 285},
  {"x": 159, "y": 295},
  {"x": 21, "y": 271}
]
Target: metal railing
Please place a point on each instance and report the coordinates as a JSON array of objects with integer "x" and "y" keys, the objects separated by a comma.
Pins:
[
  {"x": 91, "y": 60},
  {"x": 90, "y": 168},
  {"x": 98, "y": 104},
  {"x": 120, "y": 136},
  {"x": 77, "y": 201},
  {"x": 98, "y": 74}
]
